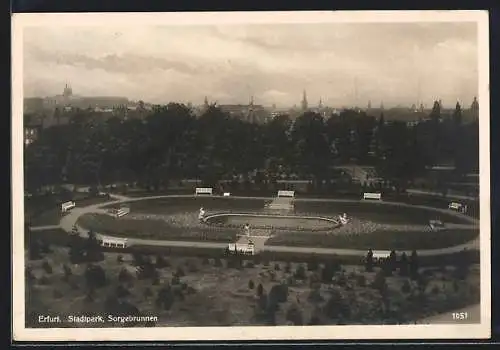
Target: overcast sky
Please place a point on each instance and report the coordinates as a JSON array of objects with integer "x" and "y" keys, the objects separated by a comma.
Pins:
[{"x": 275, "y": 63}]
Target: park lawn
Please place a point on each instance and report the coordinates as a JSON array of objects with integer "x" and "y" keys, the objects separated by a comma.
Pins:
[
  {"x": 50, "y": 213},
  {"x": 193, "y": 204},
  {"x": 377, "y": 212},
  {"x": 380, "y": 240},
  {"x": 153, "y": 229},
  {"x": 210, "y": 295}
]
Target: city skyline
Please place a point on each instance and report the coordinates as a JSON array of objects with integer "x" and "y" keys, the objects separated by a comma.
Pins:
[{"x": 342, "y": 64}]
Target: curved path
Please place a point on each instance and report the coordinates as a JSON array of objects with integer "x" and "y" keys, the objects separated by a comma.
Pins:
[{"x": 69, "y": 220}]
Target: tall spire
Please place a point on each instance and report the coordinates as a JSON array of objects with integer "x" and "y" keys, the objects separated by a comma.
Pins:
[
  {"x": 320, "y": 104},
  {"x": 304, "y": 100}
]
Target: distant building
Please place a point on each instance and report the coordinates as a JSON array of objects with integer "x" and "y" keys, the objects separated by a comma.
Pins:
[
  {"x": 67, "y": 101},
  {"x": 304, "y": 104}
]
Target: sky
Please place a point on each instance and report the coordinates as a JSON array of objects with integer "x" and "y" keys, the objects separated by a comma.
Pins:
[{"x": 344, "y": 64}]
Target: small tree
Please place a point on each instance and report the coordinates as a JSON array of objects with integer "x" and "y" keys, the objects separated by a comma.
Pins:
[
  {"x": 124, "y": 276},
  {"x": 403, "y": 265},
  {"x": 148, "y": 293},
  {"x": 294, "y": 315},
  {"x": 47, "y": 267},
  {"x": 288, "y": 267},
  {"x": 312, "y": 264},
  {"x": 121, "y": 291},
  {"x": 369, "y": 261},
  {"x": 260, "y": 290},
  {"x": 414, "y": 265},
  {"x": 161, "y": 262},
  {"x": 406, "y": 288},
  {"x": 300, "y": 273}
]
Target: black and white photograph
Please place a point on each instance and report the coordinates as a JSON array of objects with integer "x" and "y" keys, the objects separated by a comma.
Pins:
[{"x": 251, "y": 176}]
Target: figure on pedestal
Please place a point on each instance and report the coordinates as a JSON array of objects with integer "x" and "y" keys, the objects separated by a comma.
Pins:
[{"x": 201, "y": 215}]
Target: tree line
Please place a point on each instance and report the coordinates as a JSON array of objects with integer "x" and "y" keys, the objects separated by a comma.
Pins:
[{"x": 171, "y": 143}]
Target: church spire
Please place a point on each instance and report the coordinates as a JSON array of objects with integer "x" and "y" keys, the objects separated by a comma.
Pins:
[{"x": 304, "y": 101}]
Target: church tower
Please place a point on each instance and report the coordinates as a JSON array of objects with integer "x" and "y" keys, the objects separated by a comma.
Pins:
[{"x": 304, "y": 101}]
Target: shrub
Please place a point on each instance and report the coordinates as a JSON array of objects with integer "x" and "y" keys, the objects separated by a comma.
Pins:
[
  {"x": 148, "y": 292},
  {"x": 161, "y": 262},
  {"x": 249, "y": 264},
  {"x": 294, "y": 315},
  {"x": 300, "y": 272},
  {"x": 315, "y": 296},
  {"x": 44, "y": 280},
  {"x": 47, "y": 267},
  {"x": 121, "y": 292},
  {"x": 119, "y": 258},
  {"x": 260, "y": 290},
  {"x": 288, "y": 267},
  {"x": 251, "y": 284},
  {"x": 124, "y": 276},
  {"x": 278, "y": 293},
  {"x": 277, "y": 267},
  {"x": 361, "y": 280},
  {"x": 406, "y": 288},
  {"x": 179, "y": 272},
  {"x": 175, "y": 280}
]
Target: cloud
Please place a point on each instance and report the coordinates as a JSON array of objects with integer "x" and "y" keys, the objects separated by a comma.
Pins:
[{"x": 272, "y": 62}]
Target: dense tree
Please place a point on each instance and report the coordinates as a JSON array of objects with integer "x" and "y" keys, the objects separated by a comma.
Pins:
[{"x": 170, "y": 143}]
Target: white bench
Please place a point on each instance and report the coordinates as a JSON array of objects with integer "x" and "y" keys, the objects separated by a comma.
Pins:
[
  {"x": 289, "y": 194},
  {"x": 203, "y": 191},
  {"x": 457, "y": 207},
  {"x": 67, "y": 206},
  {"x": 246, "y": 249},
  {"x": 109, "y": 242},
  {"x": 122, "y": 212},
  {"x": 374, "y": 196}
]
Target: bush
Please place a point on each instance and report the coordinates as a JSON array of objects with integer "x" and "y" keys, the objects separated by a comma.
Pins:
[
  {"x": 249, "y": 264},
  {"x": 315, "y": 296},
  {"x": 361, "y": 280},
  {"x": 300, "y": 272},
  {"x": 251, "y": 284},
  {"x": 119, "y": 258},
  {"x": 124, "y": 276},
  {"x": 44, "y": 280},
  {"x": 161, "y": 262},
  {"x": 47, "y": 267},
  {"x": 148, "y": 293},
  {"x": 278, "y": 293},
  {"x": 121, "y": 292},
  {"x": 288, "y": 267},
  {"x": 260, "y": 290},
  {"x": 277, "y": 267},
  {"x": 406, "y": 288},
  {"x": 294, "y": 315},
  {"x": 179, "y": 272}
]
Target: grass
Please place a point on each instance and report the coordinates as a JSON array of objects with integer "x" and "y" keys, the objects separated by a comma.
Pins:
[
  {"x": 380, "y": 240},
  {"x": 154, "y": 229},
  {"x": 46, "y": 211},
  {"x": 209, "y": 295}
]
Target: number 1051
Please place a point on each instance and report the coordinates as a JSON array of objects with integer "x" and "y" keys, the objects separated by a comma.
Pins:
[{"x": 459, "y": 316}]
